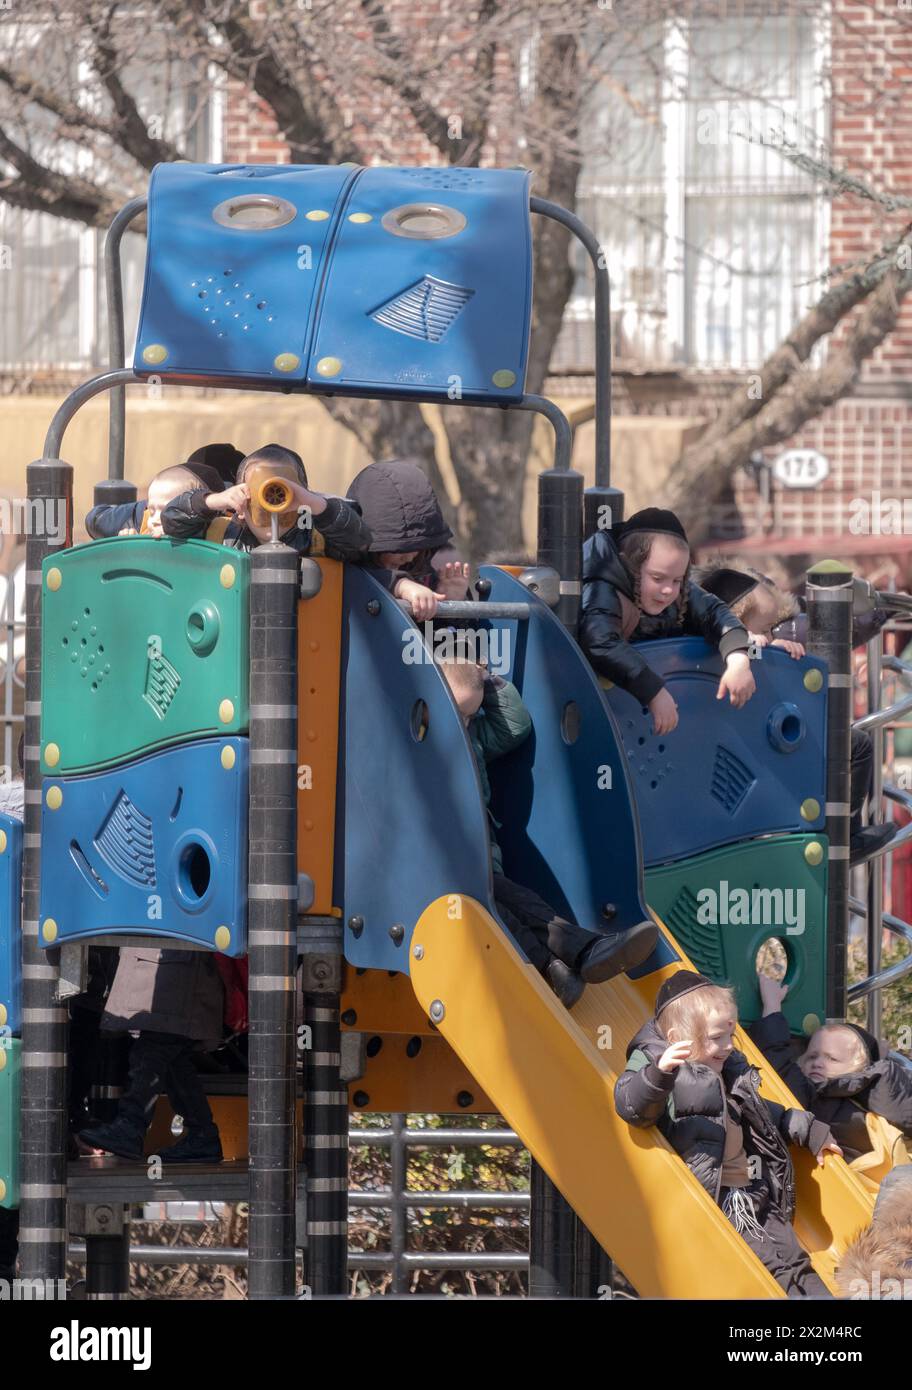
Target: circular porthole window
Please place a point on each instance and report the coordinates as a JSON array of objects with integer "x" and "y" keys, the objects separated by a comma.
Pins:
[
  {"x": 424, "y": 221},
  {"x": 254, "y": 212}
]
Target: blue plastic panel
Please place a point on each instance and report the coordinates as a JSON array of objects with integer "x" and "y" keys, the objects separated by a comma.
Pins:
[
  {"x": 447, "y": 315},
  {"x": 725, "y": 774},
  {"x": 166, "y": 834},
  {"x": 411, "y": 826},
  {"x": 10, "y": 923},
  {"x": 225, "y": 301},
  {"x": 563, "y": 798}
]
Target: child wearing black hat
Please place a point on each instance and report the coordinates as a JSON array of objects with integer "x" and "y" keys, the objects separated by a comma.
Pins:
[
  {"x": 685, "y": 1076},
  {"x": 637, "y": 588},
  {"x": 766, "y": 611},
  {"x": 840, "y": 1074}
]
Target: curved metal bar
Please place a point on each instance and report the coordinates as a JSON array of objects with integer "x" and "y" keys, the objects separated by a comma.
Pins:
[
  {"x": 105, "y": 381},
  {"x": 882, "y": 980},
  {"x": 563, "y": 434},
  {"x": 894, "y": 793},
  {"x": 459, "y": 611},
  {"x": 880, "y": 717},
  {"x": 888, "y": 599},
  {"x": 901, "y": 668},
  {"x": 545, "y": 208},
  {"x": 117, "y": 346}
]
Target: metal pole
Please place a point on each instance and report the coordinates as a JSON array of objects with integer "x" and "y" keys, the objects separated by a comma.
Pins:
[
  {"x": 603, "y": 496},
  {"x": 552, "y": 1238},
  {"x": 107, "y": 1239},
  {"x": 875, "y": 870},
  {"x": 560, "y": 537},
  {"x": 42, "y": 1217},
  {"x": 272, "y": 919},
  {"x": 325, "y": 1112},
  {"x": 398, "y": 1212},
  {"x": 829, "y": 606},
  {"x": 117, "y": 347}
]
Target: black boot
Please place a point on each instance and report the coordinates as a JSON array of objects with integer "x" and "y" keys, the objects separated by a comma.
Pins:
[
  {"x": 616, "y": 952},
  {"x": 200, "y": 1142},
  {"x": 150, "y": 1057},
  {"x": 566, "y": 983}
]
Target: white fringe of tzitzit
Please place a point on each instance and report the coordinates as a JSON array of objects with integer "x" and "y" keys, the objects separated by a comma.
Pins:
[{"x": 739, "y": 1209}]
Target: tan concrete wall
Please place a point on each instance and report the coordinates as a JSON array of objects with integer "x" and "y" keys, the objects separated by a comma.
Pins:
[{"x": 164, "y": 431}]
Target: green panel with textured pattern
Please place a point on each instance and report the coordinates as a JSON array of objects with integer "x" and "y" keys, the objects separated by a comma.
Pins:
[
  {"x": 10, "y": 1061},
  {"x": 144, "y": 644},
  {"x": 721, "y": 907}
]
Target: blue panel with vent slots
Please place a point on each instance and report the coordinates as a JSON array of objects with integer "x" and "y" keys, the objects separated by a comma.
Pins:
[
  {"x": 10, "y": 924},
  {"x": 157, "y": 847},
  {"x": 381, "y": 282},
  {"x": 725, "y": 774},
  {"x": 429, "y": 286}
]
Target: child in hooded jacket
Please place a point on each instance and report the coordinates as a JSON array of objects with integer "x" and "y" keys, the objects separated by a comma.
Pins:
[
  {"x": 838, "y": 1076},
  {"x": 144, "y": 516},
  {"x": 636, "y": 588},
  {"x": 411, "y": 547},
  {"x": 685, "y": 1076}
]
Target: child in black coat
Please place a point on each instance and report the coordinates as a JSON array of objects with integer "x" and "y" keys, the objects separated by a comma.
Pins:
[
  {"x": 636, "y": 588},
  {"x": 685, "y": 1076},
  {"x": 839, "y": 1075}
]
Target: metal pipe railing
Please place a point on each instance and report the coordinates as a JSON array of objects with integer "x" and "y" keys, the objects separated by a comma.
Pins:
[{"x": 879, "y": 718}]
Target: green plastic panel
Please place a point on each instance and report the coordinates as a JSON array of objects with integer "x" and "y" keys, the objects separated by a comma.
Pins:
[
  {"x": 144, "y": 645},
  {"x": 721, "y": 907},
  {"x": 10, "y": 1060}
]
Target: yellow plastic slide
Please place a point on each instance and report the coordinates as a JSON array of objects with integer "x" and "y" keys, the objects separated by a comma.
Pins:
[{"x": 552, "y": 1076}]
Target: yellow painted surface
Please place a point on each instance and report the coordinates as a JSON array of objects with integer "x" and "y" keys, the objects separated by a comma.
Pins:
[
  {"x": 552, "y": 1076},
  {"x": 319, "y": 674}
]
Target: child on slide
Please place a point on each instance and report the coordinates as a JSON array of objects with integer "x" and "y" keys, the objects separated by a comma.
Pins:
[
  {"x": 839, "y": 1075},
  {"x": 685, "y": 1076},
  {"x": 637, "y": 588}
]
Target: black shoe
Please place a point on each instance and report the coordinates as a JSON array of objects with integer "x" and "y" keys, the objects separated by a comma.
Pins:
[
  {"x": 566, "y": 983},
  {"x": 616, "y": 952},
  {"x": 870, "y": 839},
  {"x": 116, "y": 1138},
  {"x": 196, "y": 1146}
]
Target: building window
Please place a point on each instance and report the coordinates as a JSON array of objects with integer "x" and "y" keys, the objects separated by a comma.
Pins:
[
  {"x": 712, "y": 236},
  {"x": 52, "y": 312}
]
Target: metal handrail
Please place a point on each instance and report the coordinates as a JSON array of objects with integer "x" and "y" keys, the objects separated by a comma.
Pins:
[{"x": 882, "y": 717}]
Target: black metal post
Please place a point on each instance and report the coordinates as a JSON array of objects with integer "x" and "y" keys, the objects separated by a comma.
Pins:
[
  {"x": 552, "y": 1238},
  {"x": 42, "y": 1216},
  {"x": 272, "y": 919},
  {"x": 107, "y": 1238},
  {"x": 117, "y": 347},
  {"x": 325, "y": 1111},
  {"x": 560, "y": 536},
  {"x": 829, "y": 605}
]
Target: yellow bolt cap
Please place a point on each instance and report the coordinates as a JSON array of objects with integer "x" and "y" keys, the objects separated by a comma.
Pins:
[
  {"x": 286, "y": 362},
  {"x": 54, "y": 579},
  {"x": 329, "y": 366},
  {"x": 51, "y": 754},
  {"x": 223, "y": 938},
  {"x": 228, "y": 758},
  {"x": 49, "y": 929},
  {"x": 2, "y": 842},
  {"x": 810, "y": 809},
  {"x": 809, "y": 1024},
  {"x": 316, "y": 215},
  {"x": 155, "y": 353},
  {"x": 504, "y": 378},
  {"x": 813, "y": 852},
  {"x": 227, "y": 575},
  {"x": 54, "y": 798},
  {"x": 813, "y": 680},
  {"x": 226, "y": 711},
  {"x": 360, "y": 217},
  {"x": 3, "y": 1015}
]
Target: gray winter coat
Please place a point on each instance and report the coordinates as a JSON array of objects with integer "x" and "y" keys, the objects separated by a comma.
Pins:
[
  {"x": 166, "y": 991},
  {"x": 688, "y": 1107}
]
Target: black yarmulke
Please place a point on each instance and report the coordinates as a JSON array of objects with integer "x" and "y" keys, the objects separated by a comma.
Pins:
[
  {"x": 728, "y": 585},
  {"x": 653, "y": 519},
  {"x": 684, "y": 982}
]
